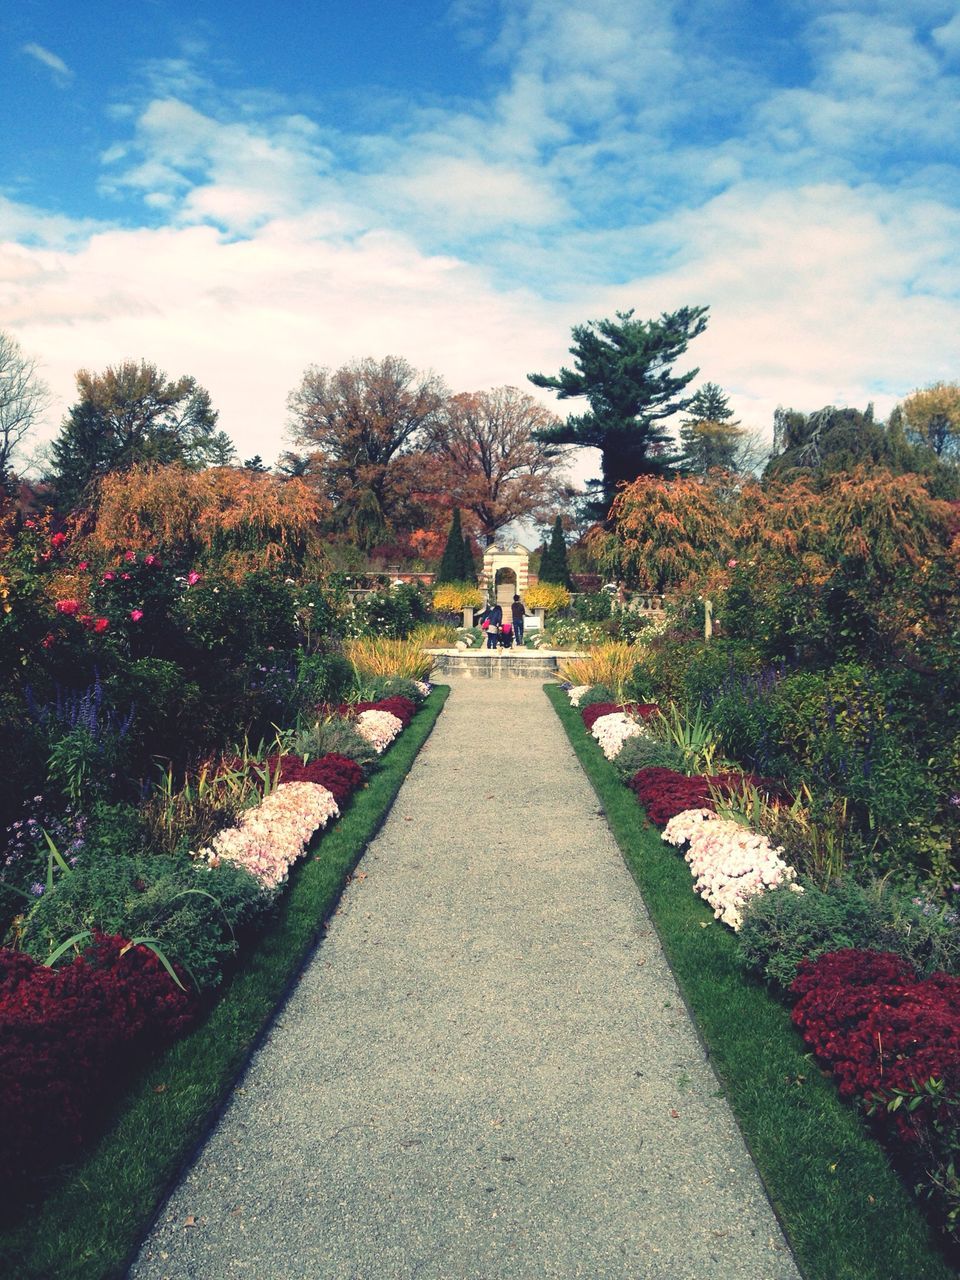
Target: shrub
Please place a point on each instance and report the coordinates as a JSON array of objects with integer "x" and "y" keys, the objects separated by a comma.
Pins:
[
  {"x": 642, "y": 752},
  {"x": 68, "y": 1038},
  {"x": 454, "y": 597},
  {"x": 782, "y": 929},
  {"x": 333, "y": 735},
  {"x": 195, "y": 912},
  {"x": 547, "y": 595},
  {"x": 593, "y": 711},
  {"x": 378, "y": 687},
  {"x": 322, "y": 677},
  {"x": 389, "y": 614}
]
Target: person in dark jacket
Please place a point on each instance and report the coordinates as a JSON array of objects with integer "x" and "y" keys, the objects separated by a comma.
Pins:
[
  {"x": 494, "y": 619},
  {"x": 519, "y": 613}
]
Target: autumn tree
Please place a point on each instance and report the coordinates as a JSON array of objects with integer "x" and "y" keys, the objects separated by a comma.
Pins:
[
  {"x": 932, "y": 417},
  {"x": 491, "y": 464},
  {"x": 239, "y": 518},
  {"x": 623, "y": 367},
  {"x": 128, "y": 416},
  {"x": 709, "y": 435},
  {"x": 23, "y": 398},
  {"x": 364, "y": 426},
  {"x": 665, "y": 531}
]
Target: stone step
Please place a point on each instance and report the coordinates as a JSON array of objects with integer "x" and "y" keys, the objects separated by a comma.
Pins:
[{"x": 502, "y": 664}]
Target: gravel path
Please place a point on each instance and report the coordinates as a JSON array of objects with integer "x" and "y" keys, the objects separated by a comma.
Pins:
[{"x": 486, "y": 1072}]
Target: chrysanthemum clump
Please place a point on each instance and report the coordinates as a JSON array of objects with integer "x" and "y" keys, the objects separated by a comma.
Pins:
[
  {"x": 271, "y": 837},
  {"x": 612, "y": 731},
  {"x": 730, "y": 863},
  {"x": 576, "y": 692},
  {"x": 379, "y": 728}
]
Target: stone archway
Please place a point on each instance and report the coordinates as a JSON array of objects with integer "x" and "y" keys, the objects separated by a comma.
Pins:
[{"x": 506, "y": 571}]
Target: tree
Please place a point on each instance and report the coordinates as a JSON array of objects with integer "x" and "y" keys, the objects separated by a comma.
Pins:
[
  {"x": 623, "y": 368},
  {"x": 365, "y": 422},
  {"x": 492, "y": 466},
  {"x": 256, "y": 463},
  {"x": 932, "y": 418},
  {"x": 127, "y": 416},
  {"x": 23, "y": 398},
  {"x": 553, "y": 565},
  {"x": 708, "y": 435},
  {"x": 455, "y": 566},
  {"x": 221, "y": 451}
]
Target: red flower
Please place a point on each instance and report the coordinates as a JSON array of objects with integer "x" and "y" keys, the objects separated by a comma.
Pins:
[
  {"x": 130, "y": 556},
  {"x": 152, "y": 561},
  {"x": 108, "y": 576},
  {"x": 68, "y": 607},
  {"x": 83, "y": 565},
  {"x": 125, "y": 577},
  {"x": 49, "y": 640},
  {"x": 100, "y": 625},
  {"x": 193, "y": 578},
  {"x": 58, "y": 540},
  {"x": 136, "y": 615}
]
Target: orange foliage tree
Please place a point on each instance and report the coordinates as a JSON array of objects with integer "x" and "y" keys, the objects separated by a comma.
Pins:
[
  {"x": 243, "y": 520},
  {"x": 664, "y": 532}
]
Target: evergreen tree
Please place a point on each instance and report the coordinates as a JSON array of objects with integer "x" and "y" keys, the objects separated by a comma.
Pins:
[
  {"x": 623, "y": 368},
  {"x": 452, "y": 567},
  {"x": 471, "y": 571},
  {"x": 553, "y": 565},
  {"x": 708, "y": 437}
]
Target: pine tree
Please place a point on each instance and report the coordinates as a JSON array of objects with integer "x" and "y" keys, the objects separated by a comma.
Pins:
[
  {"x": 707, "y": 435},
  {"x": 553, "y": 566},
  {"x": 452, "y": 567},
  {"x": 623, "y": 367},
  {"x": 470, "y": 570}
]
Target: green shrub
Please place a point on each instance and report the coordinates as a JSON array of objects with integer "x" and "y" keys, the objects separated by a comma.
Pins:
[
  {"x": 642, "y": 752},
  {"x": 392, "y": 614},
  {"x": 194, "y": 912},
  {"x": 375, "y": 688},
  {"x": 323, "y": 677},
  {"x": 782, "y": 927},
  {"x": 333, "y": 736},
  {"x": 595, "y": 606}
]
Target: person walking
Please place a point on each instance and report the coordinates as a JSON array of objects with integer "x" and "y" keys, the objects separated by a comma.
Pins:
[{"x": 519, "y": 613}]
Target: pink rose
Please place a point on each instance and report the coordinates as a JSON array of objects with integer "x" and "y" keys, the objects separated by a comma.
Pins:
[
  {"x": 100, "y": 625},
  {"x": 68, "y": 607},
  {"x": 130, "y": 556},
  {"x": 152, "y": 561},
  {"x": 136, "y": 615},
  {"x": 731, "y": 564},
  {"x": 108, "y": 576},
  {"x": 193, "y": 578},
  {"x": 83, "y": 565},
  {"x": 58, "y": 540},
  {"x": 125, "y": 577}
]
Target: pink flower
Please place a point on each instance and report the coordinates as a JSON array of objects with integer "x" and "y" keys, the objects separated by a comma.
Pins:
[
  {"x": 29, "y": 524},
  {"x": 731, "y": 564},
  {"x": 152, "y": 561},
  {"x": 83, "y": 565},
  {"x": 136, "y": 615},
  {"x": 68, "y": 607},
  {"x": 130, "y": 556},
  {"x": 193, "y": 578},
  {"x": 125, "y": 577},
  {"x": 100, "y": 625},
  {"x": 58, "y": 540},
  {"x": 49, "y": 640},
  {"x": 108, "y": 576}
]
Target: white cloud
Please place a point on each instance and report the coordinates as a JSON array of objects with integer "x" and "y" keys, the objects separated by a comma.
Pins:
[{"x": 62, "y": 75}]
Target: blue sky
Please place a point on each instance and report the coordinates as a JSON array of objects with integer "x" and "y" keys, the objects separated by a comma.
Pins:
[{"x": 239, "y": 191}]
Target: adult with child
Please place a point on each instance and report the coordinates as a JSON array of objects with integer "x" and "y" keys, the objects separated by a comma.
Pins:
[{"x": 493, "y": 620}]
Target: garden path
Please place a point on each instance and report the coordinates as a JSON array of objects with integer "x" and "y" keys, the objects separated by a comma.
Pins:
[{"x": 486, "y": 1071}]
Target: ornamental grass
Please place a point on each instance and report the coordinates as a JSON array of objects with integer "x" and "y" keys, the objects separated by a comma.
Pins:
[
  {"x": 381, "y": 656},
  {"x": 608, "y": 664}
]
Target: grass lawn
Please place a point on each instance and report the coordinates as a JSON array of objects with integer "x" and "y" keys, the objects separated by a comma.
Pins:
[
  {"x": 92, "y": 1221},
  {"x": 844, "y": 1210}
]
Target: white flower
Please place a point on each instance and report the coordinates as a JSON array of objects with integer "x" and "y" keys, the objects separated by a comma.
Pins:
[
  {"x": 730, "y": 863},
  {"x": 612, "y": 731},
  {"x": 577, "y": 692},
  {"x": 379, "y": 728}
]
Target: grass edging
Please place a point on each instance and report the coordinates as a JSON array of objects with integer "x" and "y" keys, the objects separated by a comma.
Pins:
[
  {"x": 843, "y": 1208},
  {"x": 91, "y": 1224}
]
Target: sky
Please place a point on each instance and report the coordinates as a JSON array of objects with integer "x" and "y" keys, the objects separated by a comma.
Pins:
[{"x": 238, "y": 192}]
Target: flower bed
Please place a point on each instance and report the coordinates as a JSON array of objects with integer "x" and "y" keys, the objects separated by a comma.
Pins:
[
  {"x": 612, "y": 731},
  {"x": 593, "y": 713}
]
